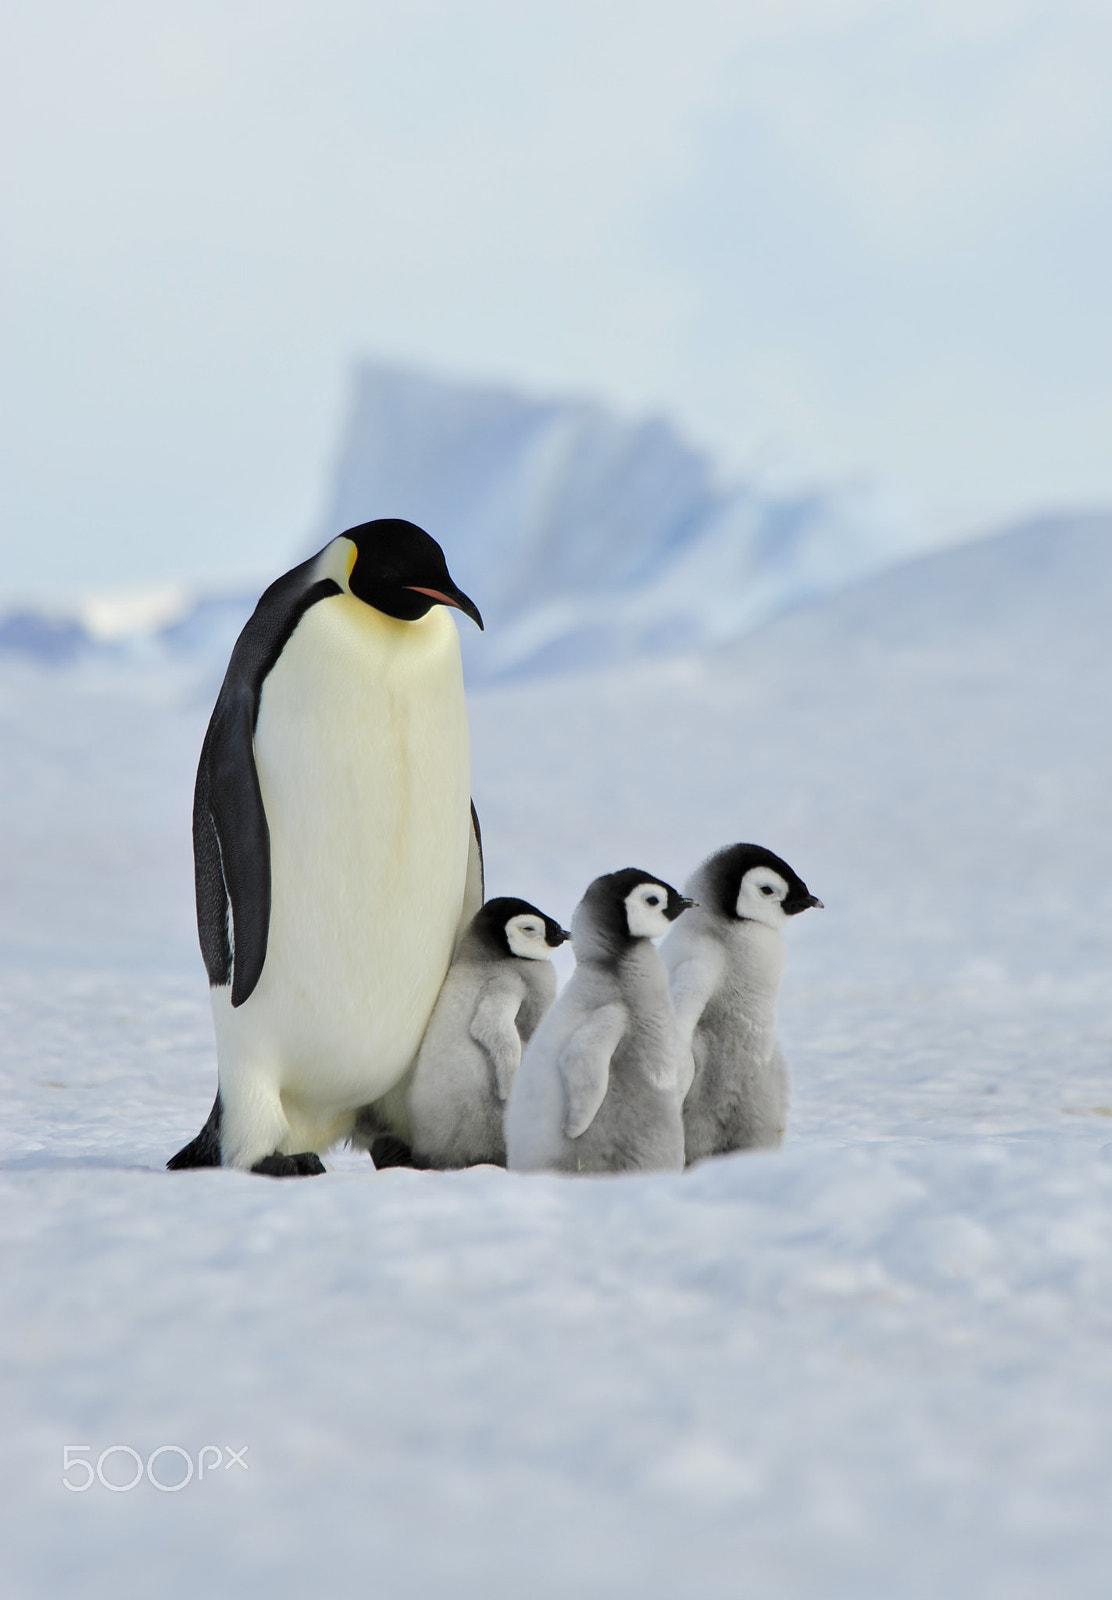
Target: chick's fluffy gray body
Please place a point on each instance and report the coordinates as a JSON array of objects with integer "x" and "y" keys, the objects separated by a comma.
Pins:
[
  {"x": 598, "y": 1086},
  {"x": 725, "y": 961},
  {"x": 489, "y": 1007},
  {"x": 739, "y": 1092}
]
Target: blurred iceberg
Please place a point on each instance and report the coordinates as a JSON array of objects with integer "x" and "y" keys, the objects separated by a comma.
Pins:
[
  {"x": 125, "y": 626},
  {"x": 584, "y": 538},
  {"x": 43, "y": 636}
]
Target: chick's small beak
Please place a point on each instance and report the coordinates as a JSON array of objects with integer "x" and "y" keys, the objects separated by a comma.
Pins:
[
  {"x": 458, "y": 600},
  {"x": 816, "y": 903}
]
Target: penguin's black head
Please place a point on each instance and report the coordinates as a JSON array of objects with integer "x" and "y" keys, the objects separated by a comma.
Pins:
[
  {"x": 747, "y": 883},
  {"x": 631, "y": 904},
  {"x": 515, "y": 928},
  {"x": 400, "y": 570}
]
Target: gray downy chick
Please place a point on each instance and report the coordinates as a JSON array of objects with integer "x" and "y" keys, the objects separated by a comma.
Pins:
[
  {"x": 498, "y": 987},
  {"x": 725, "y": 962},
  {"x": 598, "y": 1089}
]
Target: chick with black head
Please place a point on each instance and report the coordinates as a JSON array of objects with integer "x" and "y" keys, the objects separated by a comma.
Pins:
[
  {"x": 725, "y": 962},
  {"x": 598, "y": 1087},
  {"x": 498, "y": 988}
]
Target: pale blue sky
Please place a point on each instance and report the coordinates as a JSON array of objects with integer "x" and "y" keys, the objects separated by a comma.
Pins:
[{"x": 833, "y": 239}]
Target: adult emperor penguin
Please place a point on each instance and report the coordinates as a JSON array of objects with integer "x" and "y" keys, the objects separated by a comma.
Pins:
[
  {"x": 336, "y": 849},
  {"x": 497, "y": 990},
  {"x": 725, "y": 962},
  {"x": 597, "y": 1090}
]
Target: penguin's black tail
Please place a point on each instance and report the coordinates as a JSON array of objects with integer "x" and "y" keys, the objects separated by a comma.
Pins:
[{"x": 204, "y": 1150}]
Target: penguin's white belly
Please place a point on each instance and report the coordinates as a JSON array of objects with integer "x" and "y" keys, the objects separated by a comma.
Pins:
[{"x": 362, "y": 753}]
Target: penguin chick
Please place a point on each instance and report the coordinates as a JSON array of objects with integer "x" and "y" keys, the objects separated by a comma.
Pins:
[
  {"x": 598, "y": 1089},
  {"x": 498, "y": 987},
  {"x": 725, "y": 962}
]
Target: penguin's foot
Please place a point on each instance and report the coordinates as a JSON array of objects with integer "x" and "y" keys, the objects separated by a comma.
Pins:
[
  {"x": 306, "y": 1164},
  {"x": 390, "y": 1151}
]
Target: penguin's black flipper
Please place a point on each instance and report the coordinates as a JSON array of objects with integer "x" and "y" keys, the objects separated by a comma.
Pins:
[
  {"x": 208, "y": 878},
  {"x": 235, "y": 806},
  {"x": 474, "y": 886},
  {"x": 204, "y": 1150},
  {"x": 231, "y": 840},
  {"x": 477, "y": 835}
]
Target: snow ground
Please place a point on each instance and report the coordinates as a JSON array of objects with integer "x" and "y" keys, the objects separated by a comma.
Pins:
[{"x": 876, "y": 1364}]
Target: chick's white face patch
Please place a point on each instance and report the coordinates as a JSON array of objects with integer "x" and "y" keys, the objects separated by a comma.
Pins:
[
  {"x": 525, "y": 937},
  {"x": 647, "y": 911},
  {"x": 761, "y": 896}
]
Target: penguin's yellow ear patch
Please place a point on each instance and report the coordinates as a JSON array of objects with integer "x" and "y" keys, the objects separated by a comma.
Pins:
[{"x": 336, "y": 560}]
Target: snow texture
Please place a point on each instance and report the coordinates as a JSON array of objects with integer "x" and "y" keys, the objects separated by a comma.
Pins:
[{"x": 872, "y": 1366}]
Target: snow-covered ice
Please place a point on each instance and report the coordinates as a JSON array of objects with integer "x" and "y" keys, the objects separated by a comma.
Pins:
[{"x": 874, "y": 1365}]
